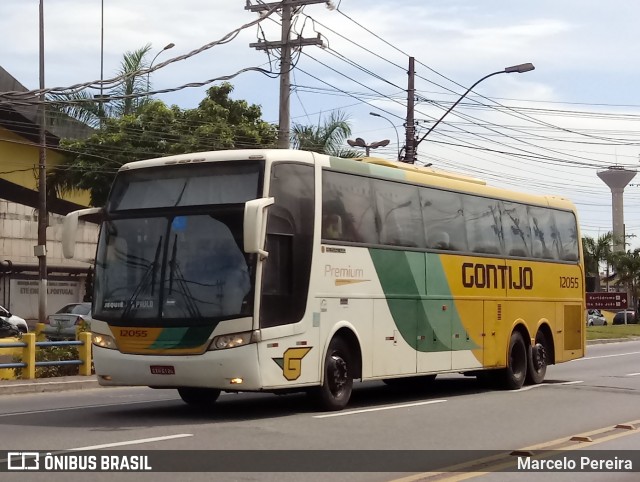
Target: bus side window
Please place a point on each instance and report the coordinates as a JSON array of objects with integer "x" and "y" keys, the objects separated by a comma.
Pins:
[
  {"x": 289, "y": 242},
  {"x": 332, "y": 226},
  {"x": 277, "y": 277},
  {"x": 439, "y": 240}
]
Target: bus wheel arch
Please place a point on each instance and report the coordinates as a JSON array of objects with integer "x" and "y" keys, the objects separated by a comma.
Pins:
[{"x": 341, "y": 364}]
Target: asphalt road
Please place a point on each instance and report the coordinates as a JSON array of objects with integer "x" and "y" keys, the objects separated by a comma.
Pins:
[{"x": 587, "y": 397}]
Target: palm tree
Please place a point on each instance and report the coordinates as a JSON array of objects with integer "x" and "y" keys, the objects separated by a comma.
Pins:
[
  {"x": 135, "y": 85},
  {"x": 627, "y": 267},
  {"x": 595, "y": 253},
  {"x": 328, "y": 138},
  {"x": 128, "y": 97}
]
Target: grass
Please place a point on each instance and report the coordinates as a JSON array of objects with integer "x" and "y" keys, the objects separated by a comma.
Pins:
[{"x": 613, "y": 331}]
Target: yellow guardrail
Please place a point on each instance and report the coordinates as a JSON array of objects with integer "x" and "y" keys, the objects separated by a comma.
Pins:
[{"x": 25, "y": 349}]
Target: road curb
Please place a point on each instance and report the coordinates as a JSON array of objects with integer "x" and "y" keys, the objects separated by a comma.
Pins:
[
  {"x": 13, "y": 387},
  {"x": 612, "y": 340}
]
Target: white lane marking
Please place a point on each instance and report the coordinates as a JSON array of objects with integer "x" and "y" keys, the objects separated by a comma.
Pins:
[
  {"x": 530, "y": 387},
  {"x": 64, "y": 409},
  {"x": 132, "y": 442},
  {"x": 606, "y": 356},
  {"x": 524, "y": 389},
  {"x": 389, "y": 407},
  {"x": 117, "y": 444},
  {"x": 632, "y": 374}
]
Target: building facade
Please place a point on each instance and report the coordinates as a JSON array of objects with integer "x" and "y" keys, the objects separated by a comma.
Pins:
[{"x": 19, "y": 160}]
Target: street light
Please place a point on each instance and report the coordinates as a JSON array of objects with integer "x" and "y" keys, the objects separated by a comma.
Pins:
[
  {"x": 166, "y": 47},
  {"x": 359, "y": 142},
  {"x": 520, "y": 68},
  {"x": 374, "y": 114}
]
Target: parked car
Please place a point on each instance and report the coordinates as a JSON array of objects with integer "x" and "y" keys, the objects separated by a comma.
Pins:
[
  {"x": 16, "y": 321},
  {"x": 62, "y": 325},
  {"x": 619, "y": 317},
  {"x": 596, "y": 318},
  {"x": 7, "y": 330}
]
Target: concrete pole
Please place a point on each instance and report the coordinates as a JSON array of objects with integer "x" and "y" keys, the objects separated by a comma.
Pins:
[
  {"x": 617, "y": 179},
  {"x": 284, "y": 122},
  {"x": 410, "y": 126},
  {"x": 41, "y": 248}
]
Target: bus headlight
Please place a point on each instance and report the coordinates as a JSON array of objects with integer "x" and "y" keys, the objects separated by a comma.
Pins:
[
  {"x": 232, "y": 340},
  {"x": 103, "y": 341}
]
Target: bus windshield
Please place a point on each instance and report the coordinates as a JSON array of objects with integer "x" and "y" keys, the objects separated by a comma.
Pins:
[{"x": 179, "y": 258}]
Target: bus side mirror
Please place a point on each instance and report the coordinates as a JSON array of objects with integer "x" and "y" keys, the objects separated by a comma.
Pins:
[
  {"x": 70, "y": 228},
  {"x": 255, "y": 225}
]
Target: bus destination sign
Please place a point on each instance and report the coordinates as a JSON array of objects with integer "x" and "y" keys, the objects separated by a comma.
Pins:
[{"x": 605, "y": 300}]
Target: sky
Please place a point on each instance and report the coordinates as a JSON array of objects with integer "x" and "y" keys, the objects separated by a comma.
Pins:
[{"x": 548, "y": 131}]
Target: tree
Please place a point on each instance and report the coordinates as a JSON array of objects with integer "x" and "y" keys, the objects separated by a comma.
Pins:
[
  {"x": 126, "y": 98},
  {"x": 596, "y": 252},
  {"x": 627, "y": 268},
  {"x": 328, "y": 138},
  {"x": 155, "y": 130}
]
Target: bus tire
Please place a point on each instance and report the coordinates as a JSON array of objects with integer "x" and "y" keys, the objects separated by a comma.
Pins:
[
  {"x": 199, "y": 397},
  {"x": 335, "y": 391},
  {"x": 537, "y": 361},
  {"x": 514, "y": 375}
]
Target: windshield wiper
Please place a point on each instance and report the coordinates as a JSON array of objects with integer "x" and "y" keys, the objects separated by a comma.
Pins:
[
  {"x": 149, "y": 274},
  {"x": 174, "y": 267}
]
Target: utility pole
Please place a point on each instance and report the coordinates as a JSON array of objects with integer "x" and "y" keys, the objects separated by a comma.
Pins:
[
  {"x": 41, "y": 249},
  {"x": 410, "y": 128},
  {"x": 285, "y": 45}
]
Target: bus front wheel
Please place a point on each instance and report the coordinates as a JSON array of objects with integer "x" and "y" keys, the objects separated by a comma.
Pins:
[
  {"x": 335, "y": 391},
  {"x": 199, "y": 397},
  {"x": 516, "y": 371}
]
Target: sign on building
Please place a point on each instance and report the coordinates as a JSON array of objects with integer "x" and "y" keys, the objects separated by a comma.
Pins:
[{"x": 25, "y": 295}]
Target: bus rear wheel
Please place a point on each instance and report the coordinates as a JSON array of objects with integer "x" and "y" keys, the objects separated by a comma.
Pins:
[
  {"x": 199, "y": 397},
  {"x": 335, "y": 391},
  {"x": 537, "y": 362},
  {"x": 513, "y": 376}
]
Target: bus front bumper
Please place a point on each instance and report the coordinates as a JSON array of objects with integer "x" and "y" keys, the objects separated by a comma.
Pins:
[{"x": 233, "y": 369}]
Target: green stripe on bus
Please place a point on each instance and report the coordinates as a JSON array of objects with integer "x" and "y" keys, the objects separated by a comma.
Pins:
[
  {"x": 349, "y": 165},
  {"x": 182, "y": 337},
  {"x": 402, "y": 276}
]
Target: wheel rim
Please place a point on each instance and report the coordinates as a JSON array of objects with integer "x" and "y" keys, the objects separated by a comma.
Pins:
[
  {"x": 539, "y": 357},
  {"x": 337, "y": 375}
]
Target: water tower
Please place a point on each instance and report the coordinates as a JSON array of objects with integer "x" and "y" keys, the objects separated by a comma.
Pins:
[{"x": 617, "y": 179}]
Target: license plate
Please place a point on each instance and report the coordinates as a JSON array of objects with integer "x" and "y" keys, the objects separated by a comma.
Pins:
[{"x": 163, "y": 370}]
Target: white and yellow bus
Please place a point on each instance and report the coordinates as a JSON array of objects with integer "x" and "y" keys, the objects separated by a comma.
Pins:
[{"x": 284, "y": 270}]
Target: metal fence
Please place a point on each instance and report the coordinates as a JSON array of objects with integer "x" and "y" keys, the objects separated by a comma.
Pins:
[{"x": 26, "y": 350}]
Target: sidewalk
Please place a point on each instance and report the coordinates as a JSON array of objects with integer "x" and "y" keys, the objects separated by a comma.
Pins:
[{"x": 59, "y": 384}]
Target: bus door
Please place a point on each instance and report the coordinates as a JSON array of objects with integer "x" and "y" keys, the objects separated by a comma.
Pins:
[
  {"x": 434, "y": 336},
  {"x": 394, "y": 335}
]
